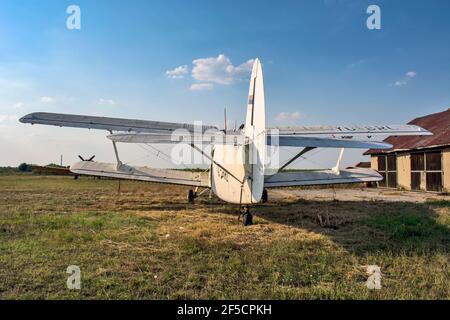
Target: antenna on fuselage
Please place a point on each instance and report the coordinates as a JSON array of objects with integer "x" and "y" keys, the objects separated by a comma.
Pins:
[{"x": 225, "y": 114}]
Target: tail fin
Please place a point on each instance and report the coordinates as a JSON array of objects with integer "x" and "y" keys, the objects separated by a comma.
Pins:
[{"x": 255, "y": 121}]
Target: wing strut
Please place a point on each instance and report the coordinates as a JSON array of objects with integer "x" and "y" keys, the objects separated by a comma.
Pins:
[
  {"x": 217, "y": 164},
  {"x": 116, "y": 152},
  {"x": 335, "y": 169},
  {"x": 305, "y": 150}
]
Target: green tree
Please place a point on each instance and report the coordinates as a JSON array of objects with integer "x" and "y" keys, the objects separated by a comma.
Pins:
[{"x": 23, "y": 167}]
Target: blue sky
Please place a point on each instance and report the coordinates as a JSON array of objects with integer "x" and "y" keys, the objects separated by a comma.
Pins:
[{"x": 321, "y": 65}]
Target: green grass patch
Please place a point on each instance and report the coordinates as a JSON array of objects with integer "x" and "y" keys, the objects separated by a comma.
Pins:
[
  {"x": 410, "y": 227},
  {"x": 439, "y": 203}
]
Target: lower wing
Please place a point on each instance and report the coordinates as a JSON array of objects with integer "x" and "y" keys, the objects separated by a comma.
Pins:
[
  {"x": 198, "y": 179},
  {"x": 315, "y": 142},
  {"x": 339, "y": 136},
  {"x": 237, "y": 138},
  {"x": 308, "y": 178}
]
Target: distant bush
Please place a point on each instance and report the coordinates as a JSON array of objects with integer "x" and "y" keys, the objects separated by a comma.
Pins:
[
  {"x": 23, "y": 167},
  {"x": 54, "y": 165},
  {"x": 8, "y": 170}
]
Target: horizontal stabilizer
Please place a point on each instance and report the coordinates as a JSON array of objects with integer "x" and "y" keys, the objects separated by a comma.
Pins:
[
  {"x": 109, "y": 124},
  {"x": 141, "y": 173},
  {"x": 307, "y": 178}
]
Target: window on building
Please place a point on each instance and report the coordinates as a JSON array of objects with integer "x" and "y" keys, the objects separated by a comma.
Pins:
[
  {"x": 417, "y": 162},
  {"x": 433, "y": 166},
  {"x": 433, "y": 161},
  {"x": 417, "y": 169},
  {"x": 426, "y": 170},
  {"x": 382, "y": 170},
  {"x": 391, "y": 171},
  {"x": 387, "y": 167},
  {"x": 381, "y": 163}
]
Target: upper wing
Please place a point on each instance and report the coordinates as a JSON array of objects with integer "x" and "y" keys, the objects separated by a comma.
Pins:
[
  {"x": 346, "y": 131},
  {"x": 302, "y": 141},
  {"x": 99, "y": 169},
  {"x": 306, "y": 178},
  {"x": 109, "y": 124}
]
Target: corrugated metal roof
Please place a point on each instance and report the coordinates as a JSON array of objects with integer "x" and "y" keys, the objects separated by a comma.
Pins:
[
  {"x": 365, "y": 164},
  {"x": 437, "y": 123}
]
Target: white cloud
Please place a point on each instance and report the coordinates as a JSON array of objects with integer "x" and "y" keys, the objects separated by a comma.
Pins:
[
  {"x": 219, "y": 70},
  {"x": 286, "y": 116},
  {"x": 178, "y": 72},
  {"x": 403, "y": 82},
  {"x": 400, "y": 83},
  {"x": 18, "y": 105},
  {"x": 47, "y": 99},
  {"x": 295, "y": 115},
  {"x": 104, "y": 102},
  {"x": 201, "y": 86},
  {"x": 213, "y": 70},
  {"x": 5, "y": 118}
]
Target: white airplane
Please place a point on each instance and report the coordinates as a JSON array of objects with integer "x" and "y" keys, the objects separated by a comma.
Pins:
[{"x": 238, "y": 172}]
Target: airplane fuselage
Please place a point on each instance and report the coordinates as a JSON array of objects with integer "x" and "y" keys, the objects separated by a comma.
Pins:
[{"x": 234, "y": 177}]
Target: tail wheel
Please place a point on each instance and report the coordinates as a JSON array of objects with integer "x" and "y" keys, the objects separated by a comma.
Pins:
[
  {"x": 247, "y": 217},
  {"x": 191, "y": 196},
  {"x": 265, "y": 196}
]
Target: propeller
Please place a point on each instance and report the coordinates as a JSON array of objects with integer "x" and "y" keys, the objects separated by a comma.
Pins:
[{"x": 90, "y": 159}]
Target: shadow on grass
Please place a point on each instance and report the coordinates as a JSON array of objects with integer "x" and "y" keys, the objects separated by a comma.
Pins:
[
  {"x": 358, "y": 226},
  {"x": 363, "y": 227}
]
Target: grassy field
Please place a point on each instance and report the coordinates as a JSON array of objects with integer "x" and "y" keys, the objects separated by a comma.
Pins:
[{"x": 147, "y": 243}]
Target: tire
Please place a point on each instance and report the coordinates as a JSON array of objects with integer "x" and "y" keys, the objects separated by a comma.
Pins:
[
  {"x": 191, "y": 196},
  {"x": 265, "y": 196},
  {"x": 247, "y": 219}
]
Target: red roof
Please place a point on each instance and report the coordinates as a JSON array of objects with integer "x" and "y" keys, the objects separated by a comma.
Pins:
[
  {"x": 360, "y": 165},
  {"x": 437, "y": 123}
]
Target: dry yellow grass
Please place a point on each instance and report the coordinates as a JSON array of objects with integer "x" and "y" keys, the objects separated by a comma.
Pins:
[{"x": 147, "y": 243}]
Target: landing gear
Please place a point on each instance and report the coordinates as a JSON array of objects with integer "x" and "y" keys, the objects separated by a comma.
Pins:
[
  {"x": 265, "y": 196},
  {"x": 191, "y": 196},
  {"x": 247, "y": 217}
]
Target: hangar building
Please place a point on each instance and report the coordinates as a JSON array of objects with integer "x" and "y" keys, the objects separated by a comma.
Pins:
[{"x": 417, "y": 162}]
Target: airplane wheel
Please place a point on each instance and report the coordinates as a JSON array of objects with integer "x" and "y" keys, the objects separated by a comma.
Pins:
[
  {"x": 265, "y": 196},
  {"x": 191, "y": 196},
  {"x": 247, "y": 219}
]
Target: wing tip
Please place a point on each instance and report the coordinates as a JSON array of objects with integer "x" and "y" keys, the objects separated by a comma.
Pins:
[
  {"x": 27, "y": 118},
  {"x": 384, "y": 145}
]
